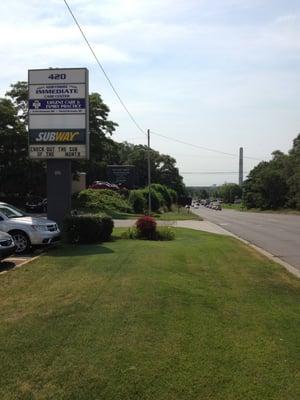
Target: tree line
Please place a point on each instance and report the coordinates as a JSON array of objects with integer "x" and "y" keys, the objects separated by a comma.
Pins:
[
  {"x": 271, "y": 184},
  {"x": 276, "y": 183},
  {"x": 21, "y": 175}
]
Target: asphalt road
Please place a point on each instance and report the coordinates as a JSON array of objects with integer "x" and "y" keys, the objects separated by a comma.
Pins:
[{"x": 279, "y": 234}]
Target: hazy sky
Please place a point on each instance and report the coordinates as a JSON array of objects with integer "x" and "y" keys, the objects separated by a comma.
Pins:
[{"x": 216, "y": 73}]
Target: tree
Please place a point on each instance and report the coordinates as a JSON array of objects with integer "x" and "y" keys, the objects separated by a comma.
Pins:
[
  {"x": 163, "y": 167},
  {"x": 203, "y": 194},
  {"x": 293, "y": 180},
  {"x": 267, "y": 184},
  {"x": 19, "y": 96},
  {"x": 18, "y": 173},
  {"x": 229, "y": 192},
  {"x": 22, "y": 175}
]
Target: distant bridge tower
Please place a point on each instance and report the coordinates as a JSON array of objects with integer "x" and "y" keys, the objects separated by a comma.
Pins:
[{"x": 241, "y": 166}]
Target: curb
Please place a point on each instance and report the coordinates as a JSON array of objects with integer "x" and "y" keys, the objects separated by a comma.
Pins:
[
  {"x": 27, "y": 261},
  {"x": 293, "y": 270}
]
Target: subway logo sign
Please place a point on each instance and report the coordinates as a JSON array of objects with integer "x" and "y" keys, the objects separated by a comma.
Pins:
[{"x": 52, "y": 136}]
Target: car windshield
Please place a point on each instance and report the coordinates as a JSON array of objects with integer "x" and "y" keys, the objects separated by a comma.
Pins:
[{"x": 11, "y": 212}]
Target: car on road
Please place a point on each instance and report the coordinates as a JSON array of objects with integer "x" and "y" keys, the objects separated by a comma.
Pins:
[
  {"x": 7, "y": 245},
  {"x": 36, "y": 205},
  {"x": 27, "y": 231},
  {"x": 217, "y": 206}
]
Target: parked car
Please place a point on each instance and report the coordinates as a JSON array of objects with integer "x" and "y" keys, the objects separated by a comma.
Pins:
[
  {"x": 36, "y": 205},
  {"x": 7, "y": 245},
  {"x": 104, "y": 185},
  {"x": 27, "y": 231}
]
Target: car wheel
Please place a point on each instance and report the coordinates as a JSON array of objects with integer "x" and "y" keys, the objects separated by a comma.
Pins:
[{"x": 21, "y": 240}]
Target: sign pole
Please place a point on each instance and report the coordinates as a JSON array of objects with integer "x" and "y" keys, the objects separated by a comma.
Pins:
[{"x": 59, "y": 190}]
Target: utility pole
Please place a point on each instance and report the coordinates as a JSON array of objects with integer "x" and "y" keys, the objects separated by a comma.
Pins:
[
  {"x": 149, "y": 174},
  {"x": 241, "y": 172}
]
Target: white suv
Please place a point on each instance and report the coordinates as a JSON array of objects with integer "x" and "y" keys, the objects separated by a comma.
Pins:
[{"x": 25, "y": 230}]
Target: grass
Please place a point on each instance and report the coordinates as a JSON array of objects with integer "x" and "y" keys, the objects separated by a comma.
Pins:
[
  {"x": 237, "y": 207},
  {"x": 174, "y": 215},
  {"x": 178, "y": 215},
  {"x": 121, "y": 215},
  {"x": 202, "y": 317},
  {"x": 241, "y": 207}
]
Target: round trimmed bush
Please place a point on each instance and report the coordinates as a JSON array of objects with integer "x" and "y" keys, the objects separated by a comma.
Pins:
[{"x": 146, "y": 227}]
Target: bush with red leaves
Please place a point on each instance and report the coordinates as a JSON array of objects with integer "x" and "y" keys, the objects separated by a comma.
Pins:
[{"x": 146, "y": 227}]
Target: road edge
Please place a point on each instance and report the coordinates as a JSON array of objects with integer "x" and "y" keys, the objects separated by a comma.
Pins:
[{"x": 293, "y": 270}]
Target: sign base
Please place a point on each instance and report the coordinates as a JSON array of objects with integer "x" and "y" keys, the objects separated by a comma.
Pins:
[{"x": 59, "y": 190}]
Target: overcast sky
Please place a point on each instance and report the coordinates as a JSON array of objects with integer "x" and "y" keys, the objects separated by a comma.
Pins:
[{"x": 216, "y": 73}]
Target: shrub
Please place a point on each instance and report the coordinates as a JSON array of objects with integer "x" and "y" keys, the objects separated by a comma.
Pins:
[
  {"x": 101, "y": 200},
  {"x": 165, "y": 233},
  {"x": 164, "y": 192},
  {"x": 137, "y": 201},
  {"x": 108, "y": 226},
  {"x": 146, "y": 227},
  {"x": 162, "y": 233},
  {"x": 131, "y": 233},
  {"x": 87, "y": 229},
  {"x": 156, "y": 198},
  {"x": 124, "y": 192},
  {"x": 173, "y": 195}
]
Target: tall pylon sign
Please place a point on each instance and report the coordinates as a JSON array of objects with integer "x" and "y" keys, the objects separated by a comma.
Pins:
[{"x": 58, "y": 129}]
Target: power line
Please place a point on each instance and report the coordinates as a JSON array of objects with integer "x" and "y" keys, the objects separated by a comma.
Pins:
[
  {"x": 132, "y": 138},
  {"x": 210, "y": 172},
  {"x": 124, "y": 105},
  {"x": 102, "y": 69},
  {"x": 202, "y": 147}
]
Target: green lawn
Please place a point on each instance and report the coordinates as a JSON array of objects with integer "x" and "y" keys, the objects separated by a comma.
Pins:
[
  {"x": 237, "y": 207},
  {"x": 178, "y": 215},
  {"x": 240, "y": 207},
  {"x": 174, "y": 215},
  {"x": 201, "y": 317}
]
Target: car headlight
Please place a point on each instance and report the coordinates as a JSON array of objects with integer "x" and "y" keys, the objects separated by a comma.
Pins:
[
  {"x": 39, "y": 228},
  {"x": 6, "y": 243}
]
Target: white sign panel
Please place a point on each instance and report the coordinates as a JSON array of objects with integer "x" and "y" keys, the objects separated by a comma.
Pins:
[
  {"x": 59, "y": 75},
  {"x": 59, "y": 121},
  {"x": 58, "y": 113},
  {"x": 57, "y": 91}
]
